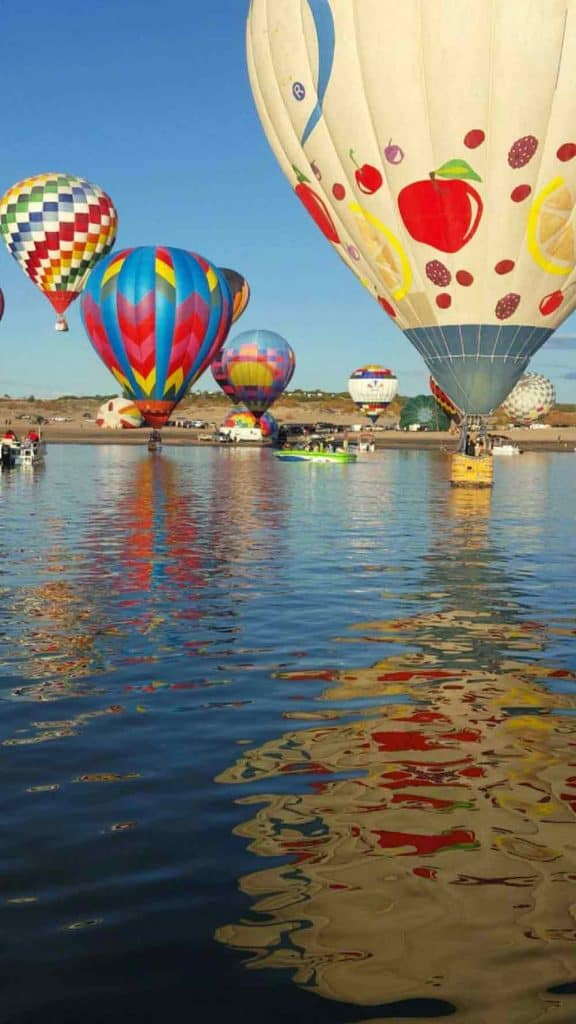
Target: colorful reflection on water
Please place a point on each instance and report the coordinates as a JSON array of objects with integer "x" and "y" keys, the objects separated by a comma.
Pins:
[{"x": 306, "y": 743}]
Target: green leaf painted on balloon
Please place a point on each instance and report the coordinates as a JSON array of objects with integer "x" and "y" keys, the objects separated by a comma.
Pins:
[
  {"x": 302, "y": 179},
  {"x": 457, "y": 169}
]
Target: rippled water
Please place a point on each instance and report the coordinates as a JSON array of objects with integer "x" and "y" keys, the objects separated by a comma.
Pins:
[{"x": 287, "y": 741}]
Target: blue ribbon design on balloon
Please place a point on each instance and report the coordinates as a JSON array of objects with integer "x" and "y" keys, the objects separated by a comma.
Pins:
[{"x": 326, "y": 36}]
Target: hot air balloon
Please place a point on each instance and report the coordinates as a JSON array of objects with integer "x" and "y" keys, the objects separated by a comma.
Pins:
[
  {"x": 246, "y": 420},
  {"x": 423, "y": 411},
  {"x": 256, "y": 366},
  {"x": 240, "y": 291},
  {"x": 156, "y": 317},
  {"x": 118, "y": 414},
  {"x": 57, "y": 227},
  {"x": 444, "y": 401},
  {"x": 372, "y": 388},
  {"x": 532, "y": 397},
  {"x": 217, "y": 371},
  {"x": 432, "y": 144}
]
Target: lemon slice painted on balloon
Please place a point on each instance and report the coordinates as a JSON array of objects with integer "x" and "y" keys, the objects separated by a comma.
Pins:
[
  {"x": 387, "y": 257},
  {"x": 551, "y": 238}
]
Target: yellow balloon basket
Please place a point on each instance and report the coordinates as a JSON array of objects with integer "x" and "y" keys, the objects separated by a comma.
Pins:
[{"x": 472, "y": 471}]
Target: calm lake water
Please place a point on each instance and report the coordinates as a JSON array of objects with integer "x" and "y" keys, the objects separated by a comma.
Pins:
[{"x": 287, "y": 742}]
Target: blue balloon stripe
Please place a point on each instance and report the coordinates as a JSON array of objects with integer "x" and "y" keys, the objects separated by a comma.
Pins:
[{"x": 326, "y": 35}]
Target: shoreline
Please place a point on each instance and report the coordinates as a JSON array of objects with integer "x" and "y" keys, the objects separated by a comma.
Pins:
[{"x": 562, "y": 439}]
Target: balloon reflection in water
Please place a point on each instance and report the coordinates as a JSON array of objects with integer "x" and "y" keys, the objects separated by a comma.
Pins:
[
  {"x": 428, "y": 830},
  {"x": 154, "y": 531},
  {"x": 246, "y": 483}
]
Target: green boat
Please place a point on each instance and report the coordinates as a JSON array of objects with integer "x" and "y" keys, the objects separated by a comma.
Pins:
[{"x": 301, "y": 455}]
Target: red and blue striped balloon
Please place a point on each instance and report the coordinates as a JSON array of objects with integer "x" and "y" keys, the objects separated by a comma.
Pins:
[{"x": 157, "y": 317}]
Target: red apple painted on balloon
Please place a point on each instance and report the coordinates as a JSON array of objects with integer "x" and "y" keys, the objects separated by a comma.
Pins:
[
  {"x": 316, "y": 207},
  {"x": 368, "y": 178},
  {"x": 443, "y": 211}
]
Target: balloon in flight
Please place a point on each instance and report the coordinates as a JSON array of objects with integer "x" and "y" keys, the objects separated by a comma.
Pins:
[
  {"x": 156, "y": 317},
  {"x": 433, "y": 145},
  {"x": 372, "y": 388},
  {"x": 57, "y": 227},
  {"x": 240, "y": 291},
  {"x": 255, "y": 368},
  {"x": 532, "y": 397}
]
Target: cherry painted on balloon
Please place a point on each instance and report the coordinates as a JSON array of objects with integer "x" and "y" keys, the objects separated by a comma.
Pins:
[
  {"x": 504, "y": 266},
  {"x": 338, "y": 191},
  {"x": 520, "y": 193},
  {"x": 465, "y": 278},
  {"x": 444, "y": 301}
]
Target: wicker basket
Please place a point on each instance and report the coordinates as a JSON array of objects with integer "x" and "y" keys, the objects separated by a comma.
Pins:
[{"x": 472, "y": 471}]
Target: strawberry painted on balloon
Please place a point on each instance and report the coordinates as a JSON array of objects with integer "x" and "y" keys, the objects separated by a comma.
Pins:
[
  {"x": 368, "y": 178},
  {"x": 444, "y": 210},
  {"x": 316, "y": 207}
]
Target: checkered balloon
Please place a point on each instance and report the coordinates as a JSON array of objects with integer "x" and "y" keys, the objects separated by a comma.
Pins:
[{"x": 57, "y": 227}]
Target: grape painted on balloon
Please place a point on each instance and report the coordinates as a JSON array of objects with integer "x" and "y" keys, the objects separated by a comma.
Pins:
[
  {"x": 522, "y": 151},
  {"x": 566, "y": 152},
  {"x": 520, "y": 193},
  {"x": 393, "y": 153},
  {"x": 316, "y": 171},
  {"x": 474, "y": 138},
  {"x": 353, "y": 252},
  {"x": 507, "y": 306},
  {"x": 438, "y": 273}
]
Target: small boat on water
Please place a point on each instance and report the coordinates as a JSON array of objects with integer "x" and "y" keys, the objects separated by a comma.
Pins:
[
  {"x": 302, "y": 455},
  {"x": 155, "y": 441},
  {"x": 506, "y": 449},
  {"x": 28, "y": 452}
]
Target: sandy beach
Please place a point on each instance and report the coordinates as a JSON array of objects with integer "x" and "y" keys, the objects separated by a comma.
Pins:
[{"x": 72, "y": 421}]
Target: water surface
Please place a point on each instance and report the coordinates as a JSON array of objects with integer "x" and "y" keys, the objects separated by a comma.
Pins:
[{"x": 287, "y": 740}]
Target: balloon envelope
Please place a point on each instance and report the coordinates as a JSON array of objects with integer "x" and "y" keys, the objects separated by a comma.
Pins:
[
  {"x": 240, "y": 291},
  {"x": 438, "y": 161},
  {"x": 118, "y": 414},
  {"x": 57, "y": 227},
  {"x": 372, "y": 388},
  {"x": 533, "y": 396},
  {"x": 246, "y": 420},
  {"x": 156, "y": 317},
  {"x": 444, "y": 401},
  {"x": 425, "y": 411},
  {"x": 257, "y": 366}
]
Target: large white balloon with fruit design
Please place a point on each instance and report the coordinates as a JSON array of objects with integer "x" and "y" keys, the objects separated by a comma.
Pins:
[{"x": 434, "y": 144}]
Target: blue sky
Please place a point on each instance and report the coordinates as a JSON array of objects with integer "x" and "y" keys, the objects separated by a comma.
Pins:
[{"x": 152, "y": 102}]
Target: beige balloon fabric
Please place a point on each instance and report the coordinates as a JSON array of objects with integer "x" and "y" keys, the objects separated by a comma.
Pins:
[
  {"x": 434, "y": 144},
  {"x": 119, "y": 414}
]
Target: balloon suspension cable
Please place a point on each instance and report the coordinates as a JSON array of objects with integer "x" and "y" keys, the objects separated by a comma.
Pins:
[{"x": 61, "y": 324}]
